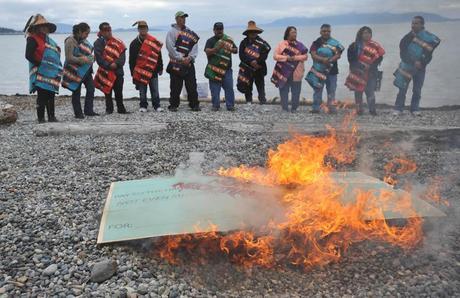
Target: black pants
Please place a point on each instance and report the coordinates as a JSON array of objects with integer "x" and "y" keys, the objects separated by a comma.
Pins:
[
  {"x": 45, "y": 99},
  {"x": 259, "y": 80},
  {"x": 118, "y": 90},
  {"x": 176, "y": 84},
  {"x": 89, "y": 97}
]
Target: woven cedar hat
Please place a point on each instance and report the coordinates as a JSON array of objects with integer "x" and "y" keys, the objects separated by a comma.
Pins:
[
  {"x": 38, "y": 20},
  {"x": 252, "y": 28}
]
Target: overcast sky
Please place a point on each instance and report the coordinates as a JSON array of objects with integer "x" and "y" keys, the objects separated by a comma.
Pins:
[{"x": 203, "y": 13}]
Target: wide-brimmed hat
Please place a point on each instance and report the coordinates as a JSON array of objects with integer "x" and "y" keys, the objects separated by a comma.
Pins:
[
  {"x": 39, "y": 20},
  {"x": 140, "y": 24},
  {"x": 252, "y": 28}
]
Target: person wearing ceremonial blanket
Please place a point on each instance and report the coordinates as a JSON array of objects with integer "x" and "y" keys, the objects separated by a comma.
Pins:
[
  {"x": 110, "y": 55},
  {"x": 145, "y": 64},
  {"x": 416, "y": 50},
  {"x": 182, "y": 46},
  {"x": 364, "y": 56},
  {"x": 253, "y": 52},
  {"x": 45, "y": 68},
  {"x": 290, "y": 56},
  {"x": 325, "y": 52},
  {"x": 78, "y": 69},
  {"x": 219, "y": 50}
]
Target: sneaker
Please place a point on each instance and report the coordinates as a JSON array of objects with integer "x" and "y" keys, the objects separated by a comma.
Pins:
[
  {"x": 92, "y": 114},
  {"x": 263, "y": 101},
  {"x": 397, "y": 113},
  {"x": 172, "y": 109},
  {"x": 80, "y": 116},
  {"x": 417, "y": 113},
  {"x": 231, "y": 109},
  {"x": 143, "y": 110},
  {"x": 159, "y": 109},
  {"x": 53, "y": 119},
  {"x": 215, "y": 109},
  {"x": 196, "y": 109}
]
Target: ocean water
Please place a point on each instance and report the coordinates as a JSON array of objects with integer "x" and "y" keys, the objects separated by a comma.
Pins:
[{"x": 442, "y": 83}]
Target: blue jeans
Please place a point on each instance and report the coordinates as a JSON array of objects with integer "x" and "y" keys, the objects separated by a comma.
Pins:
[
  {"x": 89, "y": 97},
  {"x": 370, "y": 94},
  {"x": 154, "y": 92},
  {"x": 417, "y": 81},
  {"x": 331, "y": 86},
  {"x": 295, "y": 88},
  {"x": 227, "y": 85}
]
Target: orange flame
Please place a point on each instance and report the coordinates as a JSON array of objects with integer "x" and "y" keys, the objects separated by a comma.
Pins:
[
  {"x": 398, "y": 166},
  {"x": 319, "y": 227}
]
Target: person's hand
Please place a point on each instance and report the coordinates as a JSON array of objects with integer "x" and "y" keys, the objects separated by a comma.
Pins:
[
  {"x": 113, "y": 66},
  {"x": 418, "y": 65},
  {"x": 254, "y": 64},
  {"x": 335, "y": 58},
  {"x": 187, "y": 60},
  {"x": 290, "y": 59},
  {"x": 88, "y": 59}
]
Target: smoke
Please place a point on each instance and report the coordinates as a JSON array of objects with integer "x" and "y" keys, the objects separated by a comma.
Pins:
[
  {"x": 229, "y": 204},
  {"x": 436, "y": 181}
]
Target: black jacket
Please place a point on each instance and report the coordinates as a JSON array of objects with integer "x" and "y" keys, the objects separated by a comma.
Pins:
[
  {"x": 134, "y": 49},
  {"x": 261, "y": 61},
  {"x": 353, "y": 54},
  {"x": 404, "y": 53},
  {"x": 99, "y": 46}
]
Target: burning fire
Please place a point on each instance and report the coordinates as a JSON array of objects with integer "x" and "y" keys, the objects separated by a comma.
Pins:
[
  {"x": 319, "y": 227},
  {"x": 398, "y": 166}
]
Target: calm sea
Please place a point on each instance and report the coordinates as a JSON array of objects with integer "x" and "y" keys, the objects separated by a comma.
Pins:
[{"x": 442, "y": 83}]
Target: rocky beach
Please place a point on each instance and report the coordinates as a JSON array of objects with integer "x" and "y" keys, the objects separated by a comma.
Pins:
[{"x": 53, "y": 185}]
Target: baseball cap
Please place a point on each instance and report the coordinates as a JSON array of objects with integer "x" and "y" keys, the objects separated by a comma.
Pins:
[{"x": 181, "y": 14}]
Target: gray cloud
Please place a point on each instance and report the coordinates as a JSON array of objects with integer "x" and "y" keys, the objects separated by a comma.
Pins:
[{"x": 204, "y": 12}]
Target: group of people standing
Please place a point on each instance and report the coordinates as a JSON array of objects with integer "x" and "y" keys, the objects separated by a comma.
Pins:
[{"x": 47, "y": 73}]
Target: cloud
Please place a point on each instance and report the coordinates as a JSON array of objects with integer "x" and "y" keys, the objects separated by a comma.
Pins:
[{"x": 204, "y": 12}]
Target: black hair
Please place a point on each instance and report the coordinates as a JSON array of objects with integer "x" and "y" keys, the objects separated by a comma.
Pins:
[
  {"x": 288, "y": 30},
  {"x": 325, "y": 26},
  {"x": 102, "y": 25},
  {"x": 359, "y": 35},
  {"x": 79, "y": 28},
  {"x": 422, "y": 19}
]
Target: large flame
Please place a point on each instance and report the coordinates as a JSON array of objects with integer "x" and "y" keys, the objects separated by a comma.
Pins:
[{"x": 319, "y": 227}]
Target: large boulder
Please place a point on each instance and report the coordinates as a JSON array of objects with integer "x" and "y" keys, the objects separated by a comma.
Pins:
[
  {"x": 103, "y": 270},
  {"x": 8, "y": 114}
]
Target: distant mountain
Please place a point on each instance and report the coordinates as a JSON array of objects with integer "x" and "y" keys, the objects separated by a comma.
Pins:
[
  {"x": 135, "y": 29},
  {"x": 63, "y": 28},
  {"x": 67, "y": 29},
  {"x": 358, "y": 18},
  {"x": 8, "y": 31}
]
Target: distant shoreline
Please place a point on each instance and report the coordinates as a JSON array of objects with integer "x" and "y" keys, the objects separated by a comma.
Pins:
[
  {"x": 11, "y": 98},
  {"x": 268, "y": 25}
]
